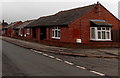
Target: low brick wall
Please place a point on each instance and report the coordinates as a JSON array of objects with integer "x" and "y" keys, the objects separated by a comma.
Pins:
[
  {"x": 24, "y": 38},
  {"x": 82, "y": 45},
  {"x": 73, "y": 45}
]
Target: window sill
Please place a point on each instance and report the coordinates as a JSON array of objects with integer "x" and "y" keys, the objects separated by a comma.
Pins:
[
  {"x": 27, "y": 34},
  {"x": 100, "y": 40},
  {"x": 55, "y": 38}
]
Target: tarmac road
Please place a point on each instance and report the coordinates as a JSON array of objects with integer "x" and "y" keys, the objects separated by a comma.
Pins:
[{"x": 21, "y": 61}]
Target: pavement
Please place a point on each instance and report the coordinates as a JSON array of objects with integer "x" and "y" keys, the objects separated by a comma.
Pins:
[{"x": 98, "y": 53}]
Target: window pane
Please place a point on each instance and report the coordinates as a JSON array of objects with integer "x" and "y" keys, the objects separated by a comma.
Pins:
[
  {"x": 99, "y": 35},
  {"x": 53, "y": 28},
  {"x": 99, "y": 28},
  {"x": 55, "y": 33},
  {"x": 103, "y": 34},
  {"x": 58, "y": 33},
  {"x": 108, "y": 35},
  {"x": 107, "y": 28},
  {"x": 52, "y": 33},
  {"x": 58, "y": 27},
  {"x": 28, "y": 31},
  {"x": 103, "y": 28},
  {"x": 93, "y": 33}
]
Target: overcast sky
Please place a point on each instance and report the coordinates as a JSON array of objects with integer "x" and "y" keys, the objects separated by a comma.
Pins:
[{"x": 12, "y": 10}]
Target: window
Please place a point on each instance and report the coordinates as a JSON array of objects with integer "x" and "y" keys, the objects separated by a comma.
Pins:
[
  {"x": 93, "y": 33},
  {"x": 19, "y": 31},
  {"x": 28, "y": 31},
  {"x": 56, "y": 32},
  {"x": 5, "y": 32},
  {"x": 100, "y": 33}
]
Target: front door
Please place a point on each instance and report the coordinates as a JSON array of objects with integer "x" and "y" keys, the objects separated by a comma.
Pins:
[
  {"x": 43, "y": 33},
  {"x": 34, "y": 32}
]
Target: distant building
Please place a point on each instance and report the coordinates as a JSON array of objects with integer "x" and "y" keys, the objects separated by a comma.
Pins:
[
  {"x": 0, "y": 28},
  {"x": 2, "y": 24},
  {"x": 8, "y": 29},
  {"x": 19, "y": 29}
]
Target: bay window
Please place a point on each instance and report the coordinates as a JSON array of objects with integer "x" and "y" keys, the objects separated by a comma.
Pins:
[{"x": 100, "y": 33}]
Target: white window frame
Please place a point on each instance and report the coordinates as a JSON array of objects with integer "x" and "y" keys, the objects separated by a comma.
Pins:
[
  {"x": 54, "y": 29},
  {"x": 96, "y": 34},
  {"x": 28, "y": 31},
  {"x": 20, "y": 31}
]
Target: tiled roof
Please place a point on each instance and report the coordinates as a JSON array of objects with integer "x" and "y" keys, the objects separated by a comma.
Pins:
[
  {"x": 62, "y": 17},
  {"x": 100, "y": 23},
  {"x": 10, "y": 25},
  {"x": 24, "y": 24}
]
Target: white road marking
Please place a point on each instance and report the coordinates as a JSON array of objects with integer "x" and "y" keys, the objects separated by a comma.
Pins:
[
  {"x": 58, "y": 59},
  {"x": 68, "y": 62},
  {"x": 51, "y": 56},
  {"x": 37, "y": 51},
  {"x": 101, "y": 74},
  {"x": 80, "y": 67},
  {"x": 40, "y": 52},
  {"x": 45, "y": 54},
  {"x": 31, "y": 49}
]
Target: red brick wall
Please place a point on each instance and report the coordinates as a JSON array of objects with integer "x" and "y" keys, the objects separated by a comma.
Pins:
[
  {"x": 38, "y": 34},
  {"x": 80, "y": 28},
  {"x": 63, "y": 34},
  {"x": 82, "y": 45},
  {"x": 14, "y": 32},
  {"x": 9, "y": 31},
  {"x": 29, "y": 37}
]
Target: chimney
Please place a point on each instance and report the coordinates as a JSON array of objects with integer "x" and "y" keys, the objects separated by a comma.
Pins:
[
  {"x": 3, "y": 21},
  {"x": 98, "y": 2}
]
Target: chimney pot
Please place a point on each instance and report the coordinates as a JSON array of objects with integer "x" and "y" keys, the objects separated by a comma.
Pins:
[{"x": 3, "y": 21}]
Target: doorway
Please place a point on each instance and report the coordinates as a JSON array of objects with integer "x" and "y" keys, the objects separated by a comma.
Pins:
[
  {"x": 43, "y": 33},
  {"x": 34, "y": 32}
]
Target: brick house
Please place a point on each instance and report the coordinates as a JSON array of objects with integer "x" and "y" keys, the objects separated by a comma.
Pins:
[
  {"x": 1, "y": 28},
  {"x": 89, "y": 24},
  {"x": 2, "y": 24},
  {"x": 19, "y": 29},
  {"x": 8, "y": 29}
]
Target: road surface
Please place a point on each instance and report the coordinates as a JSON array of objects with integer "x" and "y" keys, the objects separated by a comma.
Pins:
[{"x": 24, "y": 62}]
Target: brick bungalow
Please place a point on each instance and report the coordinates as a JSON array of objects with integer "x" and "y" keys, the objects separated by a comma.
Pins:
[
  {"x": 88, "y": 25},
  {"x": 19, "y": 29},
  {"x": 2, "y": 24},
  {"x": 8, "y": 30},
  {"x": 1, "y": 28}
]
